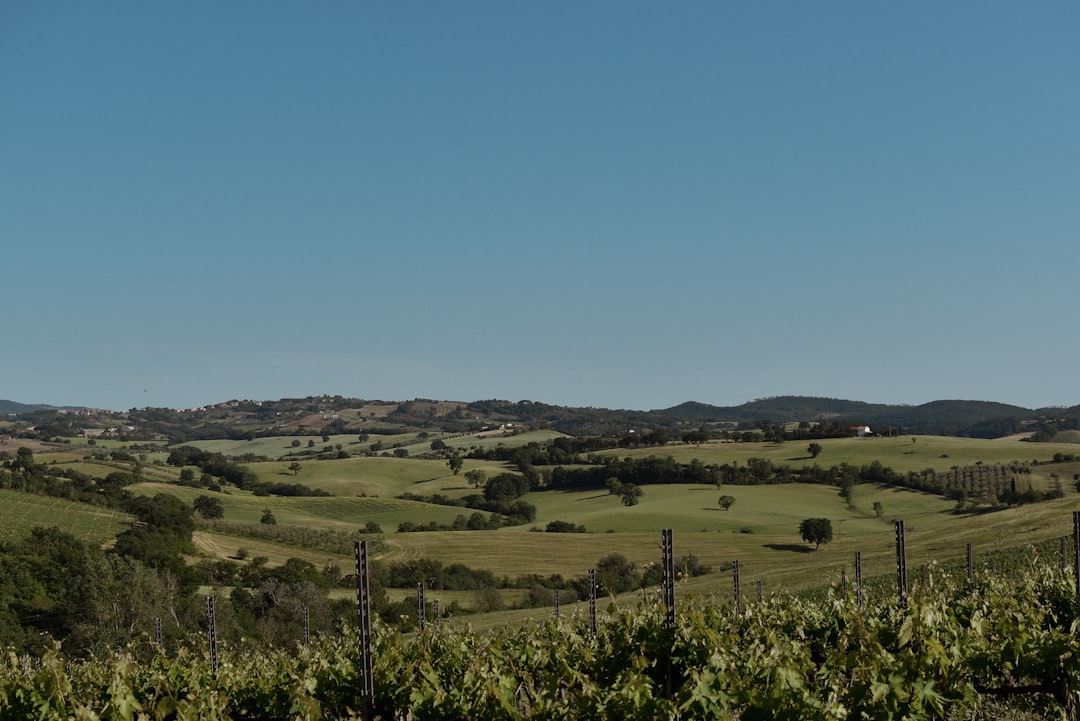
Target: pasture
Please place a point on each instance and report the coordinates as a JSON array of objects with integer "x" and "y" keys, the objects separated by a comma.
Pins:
[
  {"x": 376, "y": 475},
  {"x": 314, "y": 511},
  {"x": 281, "y": 447},
  {"x": 901, "y": 453}
]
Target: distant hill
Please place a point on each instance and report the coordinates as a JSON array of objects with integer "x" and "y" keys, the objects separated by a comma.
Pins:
[
  {"x": 337, "y": 414},
  {"x": 7, "y": 407},
  {"x": 938, "y": 417},
  {"x": 780, "y": 409}
]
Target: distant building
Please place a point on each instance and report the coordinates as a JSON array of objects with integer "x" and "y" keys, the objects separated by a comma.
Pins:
[{"x": 860, "y": 431}]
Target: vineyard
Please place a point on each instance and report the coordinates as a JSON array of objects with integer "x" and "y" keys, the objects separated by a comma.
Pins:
[
  {"x": 19, "y": 512},
  {"x": 999, "y": 646}
]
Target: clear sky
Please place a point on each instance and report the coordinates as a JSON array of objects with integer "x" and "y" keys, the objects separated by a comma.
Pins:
[{"x": 615, "y": 204}]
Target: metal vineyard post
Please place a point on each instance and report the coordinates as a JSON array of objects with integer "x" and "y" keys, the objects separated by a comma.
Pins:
[
  {"x": 363, "y": 611},
  {"x": 901, "y": 562}
]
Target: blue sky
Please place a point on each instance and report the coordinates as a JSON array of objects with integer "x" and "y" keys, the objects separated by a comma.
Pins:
[{"x": 626, "y": 205}]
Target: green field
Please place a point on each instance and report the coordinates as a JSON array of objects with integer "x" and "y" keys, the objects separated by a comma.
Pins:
[
  {"x": 278, "y": 446},
  {"x": 760, "y": 529},
  {"x": 329, "y": 512},
  {"x": 375, "y": 475},
  {"x": 221, "y": 546},
  {"x": 21, "y": 512},
  {"x": 281, "y": 447},
  {"x": 902, "y": 454}
]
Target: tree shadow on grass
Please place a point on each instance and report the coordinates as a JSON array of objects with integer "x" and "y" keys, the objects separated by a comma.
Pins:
[{"x": 793, "y": 547}]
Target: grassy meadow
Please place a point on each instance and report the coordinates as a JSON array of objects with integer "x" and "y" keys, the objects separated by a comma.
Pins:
[
  {"x": 281, "y": 447},
  {"x": 376, "y": 475},
  {"x": 760, "y": 529},
  {"x": 901, "y": 453}
]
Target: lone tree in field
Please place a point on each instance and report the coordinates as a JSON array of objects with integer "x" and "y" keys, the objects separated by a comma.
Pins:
[
  {"x": 268, "y": 518},
  {"x": 814, "y": 449},
  {"x": 294, "y": 467},
  {"x": 816, "y": 531},
  {"x": 630, "y": 494},
  {"x": 455, "y": 463},
  {"x": 476, "y": 477},
  {"x": 726, "y": 501}
]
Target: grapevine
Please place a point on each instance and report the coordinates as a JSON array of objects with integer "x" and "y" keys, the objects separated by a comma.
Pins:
[{"x": 953, "y": 650}]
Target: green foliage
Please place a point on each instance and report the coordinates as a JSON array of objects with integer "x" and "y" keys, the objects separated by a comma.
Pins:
[
  {"x": 506, "y": 487},
  {"x": 564, "y": 527},
  {"x": 814, "y": 449},
  {"x": 816, "y": 531},
  {"x": 630, "y": 494},
  {"x": 726, "y": 502},
  {"x": 476, "y": 477},
  {"x": 209, "y": 507},
  {"x": 949, "y": 652},
  {"x": 268, "y": 518}
]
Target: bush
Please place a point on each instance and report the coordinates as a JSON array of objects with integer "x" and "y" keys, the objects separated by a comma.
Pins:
[
  {"x": 488, "y": 599},
  {"x": 564, "y": 527}
]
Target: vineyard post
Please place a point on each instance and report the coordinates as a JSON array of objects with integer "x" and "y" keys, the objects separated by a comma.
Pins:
[
  {"x": 735, "y": 582},
  {"x": 990, "y": 563},
  {"x": 1076, "y": 553},
  {"x": 759, "y": 590},
  {"x": 211, "y": 626},
  {"x": 307, "y": 626},
  {"x": 363, "y": 611},
  {"x": 420, "y": 606},
  {"x": 1064, "y": 554},
  {"x": 592, "y": 602},
  {"x": 843, "y": 581},
  {"x": 669, "y": 577},
  {"x": 901, "y": 562},
  {"x": 668, "y": 544},
  {"x": 157, "y": 629},
  {"x": 435, "y": 612},
  {"x": 970, "y": 564},
  {"x": 858, "y": 579},
  {"x": 556, "y": 599}
]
